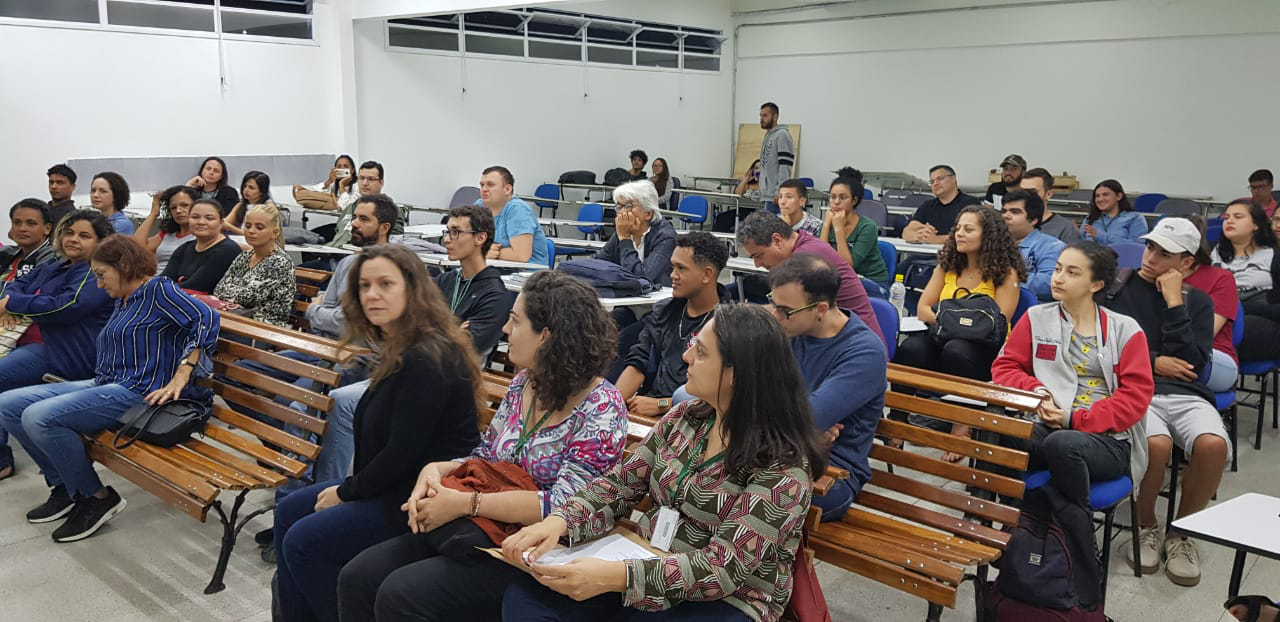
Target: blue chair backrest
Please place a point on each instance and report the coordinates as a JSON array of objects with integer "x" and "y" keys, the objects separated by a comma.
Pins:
[
  {"x": 547, "y": 191},
  {"x": 875, "y": 210},
  {"x": 465, "y": 195},
  {"x": 1237, "y": 327},
  {"x": 1129, "y": 254},
  {"x": 591, "y": 212},
  {"x": 696, "y": 208},
  {"x": 1026, "y": 299},
  {"x": 1178, "y": 207},
  {"x": 551, "y": 254},
  {"x": 868, "y": 194},
  {"x": 874, "y": 289},
  {"x": 1213, "y": 231},
  {"x": 1147, "y": 202},
  {"x": 890, "y": 256},
  {"x": 887, "y": 318},
  {"x": 807, "y": 181}
]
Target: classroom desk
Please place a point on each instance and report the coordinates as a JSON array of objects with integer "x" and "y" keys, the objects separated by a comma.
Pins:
[
  {"x": 426, "y": 231},
  {"x": 720, "y": 182},
  {"x": 743, "y": 264},
  {"x": 443, "y": 261},
  {"x": 592, "y": 245},
  {"x": 318, "y": 249},
  {"x": 515, "y": 282},
  {"x": 918, "y": 248},
  {"x": 1249, "y": 523},
  {"x": 564, "y": 222}
]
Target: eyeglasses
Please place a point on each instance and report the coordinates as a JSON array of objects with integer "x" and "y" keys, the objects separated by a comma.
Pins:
[
  {"x": 624, "y": 207},
  {"x": 1258, "y": 186},
  {"x": 369, "y": 179},
  {"x": 456, "y": 233},
  {"x": 938, "y": 180},
  {"x": 787, "y": 312}
]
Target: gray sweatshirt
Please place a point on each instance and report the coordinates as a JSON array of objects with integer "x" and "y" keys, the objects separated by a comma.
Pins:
[{"x": 777, "y": 156}]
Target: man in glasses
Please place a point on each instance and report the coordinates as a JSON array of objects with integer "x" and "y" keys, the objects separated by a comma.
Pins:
[
  {"x": 1261, "y": 184},
  {"x": 643, "y": 240},
  {"x": 474, "y": 290},
  {"x": 933, "y": 220}
]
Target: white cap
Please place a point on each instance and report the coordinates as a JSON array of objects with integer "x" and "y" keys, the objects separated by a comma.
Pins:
[{"x": 1176, "y": 235}]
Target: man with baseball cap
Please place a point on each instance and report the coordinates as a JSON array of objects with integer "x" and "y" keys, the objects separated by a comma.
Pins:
[
  {"x": 1178, "y": 322},
  {"x": 1011, "y": 170}
]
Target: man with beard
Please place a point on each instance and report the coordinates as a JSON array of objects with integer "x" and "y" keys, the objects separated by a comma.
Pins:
[
  {"x": 777, "y": 155},
  {"x": 1011, "y": 170}
]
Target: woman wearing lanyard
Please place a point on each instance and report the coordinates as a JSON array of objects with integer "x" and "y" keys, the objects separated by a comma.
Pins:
[
  {"x": 560, "y": 422},
  {"x": 729, "y": 475}
]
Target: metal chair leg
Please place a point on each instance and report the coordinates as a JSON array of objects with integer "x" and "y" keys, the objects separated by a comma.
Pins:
[
  {"x": 1175, "y": 462},
  {"x": 1133, "y": 529},
  {"x": 1235, "y": 444},
  {"x": 1262, "y": 410},
  {"x": 1108, "y": 521}
]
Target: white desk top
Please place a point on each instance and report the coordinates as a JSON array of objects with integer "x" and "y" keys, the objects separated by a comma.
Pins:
[
  {"x": 569, "y": 223},
  {"x": 319, "y": 249},
  {"x": 575, "y": 243},
  {"x": 426, "y": 231},
  {"x": 911, "y": 324},
  {"x": 433, "y": 259},
  {"x": 743, "y": 264},
  {"x": 1250, "y": 522},
  {"x": 904, "y": 246},
  {"x": 515, "y": 282}
]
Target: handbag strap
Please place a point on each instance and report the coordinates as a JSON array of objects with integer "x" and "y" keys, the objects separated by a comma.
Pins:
[{"x": 149, "y": 412}]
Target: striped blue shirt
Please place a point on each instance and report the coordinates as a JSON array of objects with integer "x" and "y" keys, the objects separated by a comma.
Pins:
[{"x": 150, "y": 332}]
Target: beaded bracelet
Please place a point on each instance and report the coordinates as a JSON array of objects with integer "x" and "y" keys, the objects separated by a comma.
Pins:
[{"x": 475, "y": 503}]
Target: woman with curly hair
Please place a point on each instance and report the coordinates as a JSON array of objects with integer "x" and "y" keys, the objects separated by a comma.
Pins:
[
  {"x": 560, "y": 423},
  {"x": 979, "y": 257}
]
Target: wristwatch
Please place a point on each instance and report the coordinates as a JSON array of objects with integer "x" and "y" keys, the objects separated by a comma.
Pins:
[
  {"x": 664, "y": 402},
  {"x": 187, "y": 362}
]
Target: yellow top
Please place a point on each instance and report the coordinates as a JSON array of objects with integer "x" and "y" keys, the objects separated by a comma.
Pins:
[{"x": 949, "y": 287}]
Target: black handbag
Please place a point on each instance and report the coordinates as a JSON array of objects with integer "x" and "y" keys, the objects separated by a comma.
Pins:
[
  {"x": 972, "y": 317},
  {"x": 165, "y": 425}
]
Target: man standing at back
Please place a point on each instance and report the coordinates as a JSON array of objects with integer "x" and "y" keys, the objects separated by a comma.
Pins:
[
  {"x": 518, "y": 236},
  {"x": 934, "y": 219},
  {"x": 777, "y": 155},
  {"x": 1040, "y": 181},
  {"x": 62, "y": 184}
]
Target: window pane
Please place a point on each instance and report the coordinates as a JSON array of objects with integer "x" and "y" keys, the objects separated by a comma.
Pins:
[
  {"x": 266, "y": 25},
  {"x": 492, "y": 21},
  {"x": 701, "y": 43},
  {"x": 657, "y": 40},
  {"x": 553, "y": 29},
  {"x": 557, "y": 51},
  {"x": 645, "y": 58},
  {"x": 446, "y": 22},
  {"x": 61, "y": 10},
  {"x": 160, "y": 16},
  {"x": 608, "y": 34},
  {"x": 613, "y": 56},
  {"x": 495, "y": 45},
  {"x": 702, "y": 63},
  {"x": 423, "y": 39}
]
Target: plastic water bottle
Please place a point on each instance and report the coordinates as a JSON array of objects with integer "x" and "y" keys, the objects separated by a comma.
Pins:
[{"x": 898, "y": 295}]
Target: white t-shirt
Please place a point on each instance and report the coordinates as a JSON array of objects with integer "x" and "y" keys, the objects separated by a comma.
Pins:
[{"x": 1252, "y": 272}]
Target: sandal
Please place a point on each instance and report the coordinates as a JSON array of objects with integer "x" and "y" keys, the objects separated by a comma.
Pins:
[
  {"x": 1253, "y": 606},
  {"x": 7, "y": 472}
]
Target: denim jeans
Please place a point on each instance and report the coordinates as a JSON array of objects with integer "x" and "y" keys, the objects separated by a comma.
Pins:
[
  {"x": 338, "y": 448},
  {"x": 48, "y": 420},
  {"x": 22, "y": 367},
  {"x": 312, "y": 547}
]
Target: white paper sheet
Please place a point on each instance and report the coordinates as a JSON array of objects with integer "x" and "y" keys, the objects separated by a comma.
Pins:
[{"x": 614, "y": 548}]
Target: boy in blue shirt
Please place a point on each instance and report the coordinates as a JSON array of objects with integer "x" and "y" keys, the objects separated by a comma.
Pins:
[{"x": 518, "y": 236}]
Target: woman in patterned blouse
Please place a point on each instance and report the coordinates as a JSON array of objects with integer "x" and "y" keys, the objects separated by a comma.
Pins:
[
  {"x": 260, "y": 280},
  {"x": 560, "y": 422},
  {"x": 730, "y": 472}
]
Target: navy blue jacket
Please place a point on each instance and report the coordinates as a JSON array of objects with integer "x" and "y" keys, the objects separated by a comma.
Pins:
[{"x": 65, "y": 301}]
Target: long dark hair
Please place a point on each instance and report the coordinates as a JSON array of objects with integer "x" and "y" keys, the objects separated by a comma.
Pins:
[
  {"x": 1201, "y": 255},
  {"x": 427, "y": 325},
  {"x": 1263, "y": 237},
  {"x": 660, "y": 181},
  {"x": 583, "y": 341},
  {"x": 264, "y": 188},
  {"x": 850, "y": 178},
  {"x": 997, "y": 255},
  {"x": 1102, "y": 264},
  {"x": 1114, "y": 186},
  {"x": 768, "y": 421},
  {"x": 337, "y": 184},
  {"x": 168, "y": 225},
  {"x": 226, "y": 174}
]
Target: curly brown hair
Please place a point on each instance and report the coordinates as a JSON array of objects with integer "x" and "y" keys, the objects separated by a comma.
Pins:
[
  {"x": 997, "y": 254},
  {"x": 583, "y": 338},
  {"x": 427, "y": 324}
]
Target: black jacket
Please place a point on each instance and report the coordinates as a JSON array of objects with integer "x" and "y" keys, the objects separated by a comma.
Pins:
[
  {"x": 1185, "y": 331},
  {"x": 41, "y": 254},
  {"x": 665, "y": 336},
  {"x": 201, "y": 271},
  {"x": 227, "y": 197},
  {"x": 659, "y": 243},
  {"x": 485, "y": 303}
]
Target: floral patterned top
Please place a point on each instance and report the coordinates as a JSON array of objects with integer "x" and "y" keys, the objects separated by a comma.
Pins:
[
  {"x": 738, "y": 532},
  {"x": 267, "y": 288},
  {"x": 561, "y": 458}
]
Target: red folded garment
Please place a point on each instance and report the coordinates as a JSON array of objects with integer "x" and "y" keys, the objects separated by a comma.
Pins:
[{"x": 487, "y": 477}]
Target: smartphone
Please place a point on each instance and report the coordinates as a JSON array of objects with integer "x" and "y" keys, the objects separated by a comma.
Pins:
[{"x": 344, "y": 173}]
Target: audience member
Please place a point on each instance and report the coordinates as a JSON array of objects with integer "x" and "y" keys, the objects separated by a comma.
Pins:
[
  {"x": 62, "y": 184},
  {"x": 843, "y": 366},
  {"x": 260, "y": 282},
  {"x": 371, "y": 224},
  {"x": 654, "y": 367},
  {"x": 199, "y": 264},
  {"x": 369, "y": 180},
  {"x": 1111, "y": 217},
  {"x": 932, "y": 222},
  {"x": 1275, "y": 224},
  {"x": 341, "y": 182},
  {"x": 979, "y": 257},
  {"x": 642, "y": 240},
  {"x": 1092, "y": 369},
  {"x": 769, "y": 242},
  {"x": 1221, "y": 287},
  {"x": 638, "y": 159},
  {"x": 747, "y": 445},
  {"x": 855, "y": 238},
  {"x": 662, "y": 183},
  {"x": 31, "y": 230},
  {"x": 420, "y": 407},
  {"x": 1247, "y": 249},
  {"x": 109, "y": 194},
  {"x": 777, "y": 155},
  {"x": 791, "y": 200},
  {"x": 147, "y": 352},
  {"x": 1012, "y": 168},
  {"x": 163, "y": 236},
  {"x": 518, "y": 235},
  {"x": 749, "y": 185},
  {"x": 211, "y": 180},
  {"x": 255, "y": 189},
  {"x": 1261, "y": 186},
  {"x": 61, "y": 309},
  {"x": 1178, "y": 322},
  {"x": 559, "y": 426},
  {"x": 474, "y": 290},
  {"x": 1023, "y": 211},
  {"x": 1040, "y": 181}
]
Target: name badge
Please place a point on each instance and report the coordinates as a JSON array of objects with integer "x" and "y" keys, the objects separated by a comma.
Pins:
[
  {"x": 664, "y": 531},
  {"x": 1046, "y": 351}
]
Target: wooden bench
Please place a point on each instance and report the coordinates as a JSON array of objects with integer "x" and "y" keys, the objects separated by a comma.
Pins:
[
  {"x": 237, "y": 453},
  {"x": 308, "y": 287},
  {"x": 927, "y": 545}
]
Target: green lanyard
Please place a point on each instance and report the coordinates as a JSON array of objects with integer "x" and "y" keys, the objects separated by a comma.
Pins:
[
  {"x": 459, "y": 293},
  {"x": 696, "y": 463},
  {"x": 528, "y": 433}
]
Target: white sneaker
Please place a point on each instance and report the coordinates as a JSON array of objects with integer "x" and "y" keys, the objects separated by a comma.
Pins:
[
  {"x": 1183, "y": 561},
  {"x": 1149, "y": 548}
]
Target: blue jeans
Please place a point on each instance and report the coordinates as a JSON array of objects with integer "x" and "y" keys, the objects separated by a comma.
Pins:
[
  {"x": 338, "y": 448},
  {"x": 22, "y": 367},
  {"x": 835, "y": 504},
  {"x": 525, "y": 602},
  {"x": 312, "y": 547},
  {"x": 49, "y": 419},
  {"x": 1223, "y": 372}
]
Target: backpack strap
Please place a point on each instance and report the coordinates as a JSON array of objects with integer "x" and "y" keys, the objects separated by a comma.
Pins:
[{"x": 1122, "y": 277}]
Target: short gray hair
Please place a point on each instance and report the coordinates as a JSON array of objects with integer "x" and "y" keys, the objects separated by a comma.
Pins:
[
  {"x": 642, "y": 193},
  {"x": 760, "y": 226}
]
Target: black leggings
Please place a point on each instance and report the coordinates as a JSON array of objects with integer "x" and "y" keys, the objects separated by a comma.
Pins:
[{"x": 1261, "y": 334}]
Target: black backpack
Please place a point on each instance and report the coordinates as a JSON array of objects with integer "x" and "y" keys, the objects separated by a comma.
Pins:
[
  {"x": 1037, "y": 577},
  {"x": 616, "y": 176},
  {"x": 577, "y": 177},
  {"x": 609, "y": 279}
]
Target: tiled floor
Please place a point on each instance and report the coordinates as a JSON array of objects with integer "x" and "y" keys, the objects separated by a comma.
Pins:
[{"x": 152, "y": 563}]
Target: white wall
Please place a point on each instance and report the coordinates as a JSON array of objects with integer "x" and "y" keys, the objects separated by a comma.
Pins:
[
  {"x": 532, "y": 117},
  {"x": 76, "y": 92},
  {"x": 1175, "y": 96}
]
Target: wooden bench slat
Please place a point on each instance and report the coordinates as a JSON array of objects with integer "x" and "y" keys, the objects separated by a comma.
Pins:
[
  {"x": 966, "y": 529},
  {"x": 282, "y": 363},
  {"x": 968, "y": 476},
  {"x": 966, "y": 447},
  {"x": 217, "y": 454},
  {"x": 189, "y": 483},
  {"x": 314, "y": 345},
  {"x": 269, "y": 434},
  {"x": 277, "y": 460},
  {"x": 311, "y": 274},
  {"x": 223, "y": 364},
  {"x": 988, "y": 510},
  {"x": 930, "y": 547},
  {"x": 266, "y": 406},
  {"x": 310, "y": 291},
  {"x": 218, "y": 476},
  {"x": 963, "y": 387},
  {"x": 150, "y": 482},
  {"x": 863, "y": 519},
  {"x": 887, "y": 550},
  {"x": 889, "y": 574},
  {"x": 980, "y": 419}
]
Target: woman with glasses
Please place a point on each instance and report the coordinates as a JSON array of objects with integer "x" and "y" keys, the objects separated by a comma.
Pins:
[
  {"x": 642, "y": 240},
  {"x": 474, "y": 290}
]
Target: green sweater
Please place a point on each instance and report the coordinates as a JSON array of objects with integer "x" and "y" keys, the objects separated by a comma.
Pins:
[{"x": 865, "y": 250}]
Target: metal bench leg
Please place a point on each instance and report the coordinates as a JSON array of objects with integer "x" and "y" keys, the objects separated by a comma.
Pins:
[
  {"x": 935, "y": 613},
  {"x": 980, "y": 593},
  {"x": 230, "y": 531}
]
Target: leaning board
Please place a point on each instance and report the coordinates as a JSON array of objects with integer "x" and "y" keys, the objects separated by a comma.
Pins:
[{"x": 750, "y": 137}]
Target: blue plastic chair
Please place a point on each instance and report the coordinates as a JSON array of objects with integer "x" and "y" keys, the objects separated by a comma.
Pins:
[
  {"x": 1212, "y": 231},
  {"x": 807, "y": 181},
  {"x": 1026, "y": 300},
  {"x": 547, "y": 191},
  {"x": 1129, "y": 254},
  {"x": 868, "y": 194},
  {"x": 1104, "y": 497},
  {"x": 888, "y": 254},
  {"x": 551, "y": 254},
  {"x": 697, "y": 209},
  {"x": 874, "y": 290},
  {"x": 887, "y": 318},
  {"x": 1148, "y": 202},
  {"x": 1265, "y": 372},
  {"x": 591, "y": 212}
]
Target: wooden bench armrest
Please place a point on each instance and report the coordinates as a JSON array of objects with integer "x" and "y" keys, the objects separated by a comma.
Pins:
[{"x": 823, "y": 483}]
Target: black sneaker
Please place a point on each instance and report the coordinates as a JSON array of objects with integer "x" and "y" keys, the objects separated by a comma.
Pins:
[
  {"x": 88, "y": 516},
  {"x": 55, "y": 507},
  {"x": 265, "y": 538}
]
